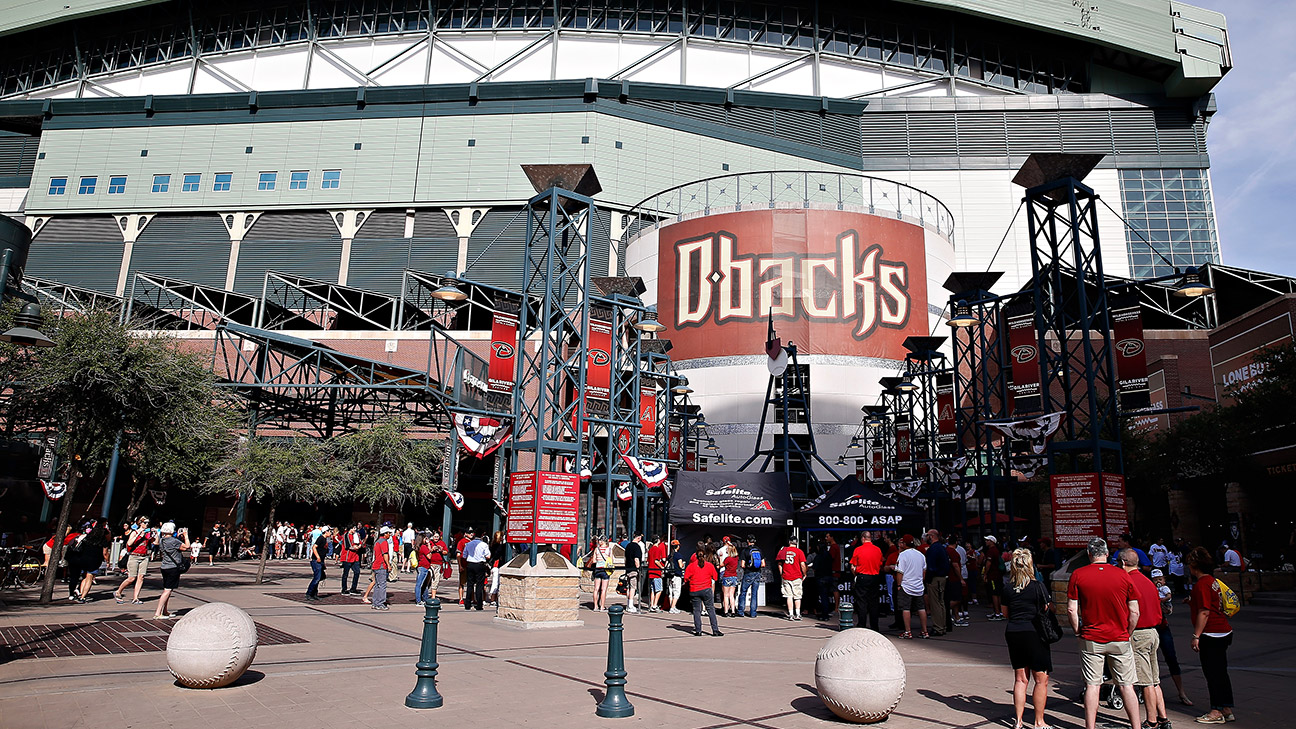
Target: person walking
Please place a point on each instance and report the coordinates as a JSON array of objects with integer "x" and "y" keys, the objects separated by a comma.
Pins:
[
  {"x": 91, "y": 557},
  {"x": 676, "y": 563},
  {"x": 992, "y": 568},
  {"x": 1211, "y": 635},
  {"x": 601, "y": 562},
  {"x": 407, "y": 546},
  {"x": 438, "y": 562},
  {"x": 498, "y": 558},
  {"x": 866, "y": 564},
  {"x": 634, "y": 561},
  {"x": 729, "y": 582},
  {"x": 349, "y": 559},
  {"x": 1103, "y": 609},
  {"x": 137, "y": 561},
  {"x": 1024, "y": 598},
  {"x": 423, "y": 565},
  {"x": 460, "y": 547},
  {"x": 172, "y": 549},
  {"x": 792, "y": 565},
  {"x": 910, "y": 569},
  {"x": 749, "y": 558},
  {"x": 318, "y": 550},
  {"x": 1167, "y": 636},
  {"x": 657, "y": 557},
  {"x": 935, "y": 580},
  {"x": 701, "y": 577},
  {"x": 476, "y": 558},
  {"x": 382, "y": 559},
  {"x": 1145, "y": 641}
]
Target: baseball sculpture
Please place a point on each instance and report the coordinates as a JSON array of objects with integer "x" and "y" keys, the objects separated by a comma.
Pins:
[
  {"x": 860, "y": 675},
  {"x": 211, "y": 646}
]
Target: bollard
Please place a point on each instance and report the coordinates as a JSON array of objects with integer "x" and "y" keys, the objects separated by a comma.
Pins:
[
  {"x": 424, "y": 695},
  {"x": 615, "y": 705},
  {"x": 845, "y": 616}
]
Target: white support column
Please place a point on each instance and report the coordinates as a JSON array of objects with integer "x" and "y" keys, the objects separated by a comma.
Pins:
[
  {"x": 465, "y": 221},
  {"x": 617, "y": 229},
  {"x": 36, "y": 222},
  {"x": 130, "y": 226},
  {"x": 237, "y": 224},
  {"x": 348, "y": 223}
]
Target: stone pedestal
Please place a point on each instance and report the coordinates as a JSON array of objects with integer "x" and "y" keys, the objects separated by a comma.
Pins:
[{"x": 546, "y": 595}]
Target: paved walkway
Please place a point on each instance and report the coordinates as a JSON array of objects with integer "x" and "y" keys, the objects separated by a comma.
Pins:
[{"x": 354, "y": 667}]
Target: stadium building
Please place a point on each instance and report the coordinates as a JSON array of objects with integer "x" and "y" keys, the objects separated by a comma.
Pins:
[{"x": 829, "y": 162}]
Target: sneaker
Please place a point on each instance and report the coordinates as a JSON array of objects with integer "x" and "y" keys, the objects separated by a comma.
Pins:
[
  {"x": 632, "y": 610},
  {"x": 119, "y": 599},
  {"x": 797, "y": 617},
  {"x": 962, "y": 623},
  {"x": 1208, "y": 719},
  {"x": 788, "y": 616},
  {"x": 906, "y": 635},
  {"x": 137, "y": 602},
  {"x": 717, "y": 634},
  {"x": 419, "y": 603},
  {"x": 925, "y": 635},
  {"x": 674, "y": 611}
]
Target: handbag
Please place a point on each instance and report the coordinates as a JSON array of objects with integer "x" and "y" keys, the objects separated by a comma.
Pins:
[
  {"x": 445, "y": 571},
  {"x": 1045, "y": 621}
]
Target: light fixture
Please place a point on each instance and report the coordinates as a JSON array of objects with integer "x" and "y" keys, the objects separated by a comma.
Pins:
[
  {"x": 720, "y": 461},
  {"x": 701, "y": 422},
  {"x": 681, "y": 386},
  {"x": 448, "y": 291},
  {"x": 25, "y": 331},
  {"x": 962, "y": 315},
  {"x": 906, "y": 384},
  {"x": 874, "y": 421},
  {"x": 853, "y": 444},
  {"x": 711, "y": 445},
  {"x": 648, "y": 322},
  {"x": 841, "y": 460},
  {"x": 1191, "y": 285}
]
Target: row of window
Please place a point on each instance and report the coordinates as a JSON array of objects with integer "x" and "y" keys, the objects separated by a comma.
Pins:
[{"x": 192, "y": 182}]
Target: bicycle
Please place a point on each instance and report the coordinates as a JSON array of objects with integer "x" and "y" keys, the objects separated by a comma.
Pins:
[{"x": 20, "y": 568}]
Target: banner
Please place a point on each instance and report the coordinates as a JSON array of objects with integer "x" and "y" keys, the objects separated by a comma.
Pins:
[
  {"x": 598, "y": 373},
  {"x": 1114, "y": 507},
  {"x": 734, "y": 498},
  {"x": 480, "y": 435},
  {"x": 46, "y": 469},
  {"x": 1131, "y": 356},
  {"x": 904, "y": 442},
  {"x": 690, "y": 461},
  {"x": 651, "y": 473},
  {"x": 946, "y": 432},
  {"x": 1023, "y": 356},
  {"x": 861, "y": 470},
  {"x": 54, "y": 489},
  {"x": 879, "y": 469},
  {"x": 648, "y": 416},
  {"x": 1076, "y": 517},
  {"x": 674, "y": 443},
  {"x": 503, "y": 352}
]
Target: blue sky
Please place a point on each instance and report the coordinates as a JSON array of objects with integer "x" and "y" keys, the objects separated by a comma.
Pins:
[{"x": 1252, "y": 139}]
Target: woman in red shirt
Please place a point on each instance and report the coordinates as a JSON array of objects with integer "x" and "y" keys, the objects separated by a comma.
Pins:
[
  {"x": 1211, "y": 636},
  {"x": 729, "y": 583},
  {"x": 700, "y": 575}
]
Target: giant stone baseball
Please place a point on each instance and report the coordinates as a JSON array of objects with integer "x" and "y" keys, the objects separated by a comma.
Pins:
[
  {"x": 211, "y": 646},
  {"x": 860, "y": 675}
]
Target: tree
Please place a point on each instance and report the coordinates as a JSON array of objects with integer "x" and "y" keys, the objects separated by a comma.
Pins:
[
  {"x": 274, "y": 471},
  {"x": 389, "y": 467},
  {"x": 98, "y": 383}
]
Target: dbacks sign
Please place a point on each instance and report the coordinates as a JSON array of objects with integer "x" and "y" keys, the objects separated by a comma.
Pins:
[{"x": 836, "y": 282}]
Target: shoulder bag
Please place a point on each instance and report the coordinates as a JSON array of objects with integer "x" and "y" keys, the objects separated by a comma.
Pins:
[{"x": 1045, "y": 620}]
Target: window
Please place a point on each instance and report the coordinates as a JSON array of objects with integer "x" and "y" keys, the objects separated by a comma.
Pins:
[
  {"x": 116, "y": 184},
  {"x": 298, "y": 181},
  {"x": 161, "y": 183},
  {"x": 191, "y": 182},
  {"x": 332, "y": 180},
  {"x": 1170, "y": 214},
  {"x": 88, "y": 185},
  {"x": 222, "y": 183},
  {"x": 58, "y": 185},
  {"x": 267, "y": 181}
]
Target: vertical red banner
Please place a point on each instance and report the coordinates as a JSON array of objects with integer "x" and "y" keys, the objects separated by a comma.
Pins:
[
  {"x": 1131, "y": 355},
  {"x": 690, "y": 461},
  {"x": 861, "y": 470},
  {"x": 945, "y": 425},
  {"x": 904, "y": 442},
  {"x": 598, "y": 372},
  {"x": 674, "y": 441},
  {"x": 879, "y": 470},
  {"x": 1023, "y": 355},
  {"x": 503, "y": 351},
  {"x": 648, "y": 416}
]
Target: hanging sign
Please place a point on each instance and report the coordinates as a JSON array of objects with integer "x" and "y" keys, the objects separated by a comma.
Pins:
[
  {"x": 904, "y": 442},
  {"x": 623, "y": 440},
  {"x": 159, "y": 496},
  {"x": 1131, "y": 355},
  {"x": 879, "y": 471},
  {"x": 1023, "y": 355},
  {"x": 861, "y": 470},
  {"x": 46, "y": 469},
  {"x": 674, "y": 441},
  {"x": 945, "y": 425},
  {"x": 598, "y": 372},
  {"x": 503, "y": 351},
  {"x": 690, "y": 461},
  {"x": 648, "y": 416}
]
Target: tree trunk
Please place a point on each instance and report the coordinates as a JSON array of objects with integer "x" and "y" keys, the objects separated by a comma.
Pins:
[
  {"x": 137, "y": 497},
  {"x": 56, "y": 554},
  {"x": 267, "y": 542}
]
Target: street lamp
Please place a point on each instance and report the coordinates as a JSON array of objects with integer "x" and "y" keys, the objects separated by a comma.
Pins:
[
  {"x": 1191, "y": 285},
  {"x": 841, "y": 460},
  {"x": 648, "y": 322},
  {"x": 448, "y": 291},
  {"x": 906, "y": 384},
  {"x": 25, "y": 332},
  {"x": 962, "y": 315},
  {"x": 681, "y": 386}
]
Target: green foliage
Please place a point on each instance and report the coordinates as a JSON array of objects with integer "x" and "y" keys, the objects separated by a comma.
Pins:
[
  {"x": 390, "y": 468},
  {"x": 272, "y": 471}
]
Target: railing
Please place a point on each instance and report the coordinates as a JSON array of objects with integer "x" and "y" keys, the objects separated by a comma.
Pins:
[{"x": 784, "y": 189}]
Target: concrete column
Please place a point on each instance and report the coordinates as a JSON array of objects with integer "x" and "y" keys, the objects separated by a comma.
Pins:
[
  {"x": 465, "y": 221},
  {"x": 237, "y": 224},
  {"x": 131, "y": 226},
  {"x": 617, "y": 230},
  {"x": 348, "y": 223}
]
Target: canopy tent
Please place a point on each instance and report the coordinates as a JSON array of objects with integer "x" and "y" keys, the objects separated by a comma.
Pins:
[
  {"x": 851, "y": 504},
  {"x": 731, "y": 498},
  {"x": 995, "y": 518}
]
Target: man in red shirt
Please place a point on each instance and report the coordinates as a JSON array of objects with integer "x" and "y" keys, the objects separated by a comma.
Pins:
[
  {"x": 349, "y": 558},
  {"x": 1145, "y": 640},
  {"x": 1104, "y": 610},
  {"x": 382, "y": 561},
  {"x": 459, "y": 556},
  {"x": 137, "y": 549},
  {"x": 656, "y": 561},
  {"x": 866, "y": 563},
  {"x": 792, "y": 566}
]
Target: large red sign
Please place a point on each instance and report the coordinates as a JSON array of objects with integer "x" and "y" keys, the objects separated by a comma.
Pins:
[
  {"x": 503, "y": 351},
  {"x": 1115, "y": 509},
  {"x": 543, "y": 507},
  {"x": 1023, "y": 355},
  {"x": 1131, "y": 356},
  {"x": 1077, "y": 514},
  {"x": 836, "y": 282}
]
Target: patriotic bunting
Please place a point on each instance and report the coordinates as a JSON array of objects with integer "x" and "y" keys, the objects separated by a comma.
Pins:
[
  {"x": 54, "y": 489},
  {"x": 624, "y": 491},
  {"x": 159, "y": 496},
  {"x": 651, "y": 473},
  {"x": 481, "y": 435},
  {"x": 1035, "y": 431},
  {"x": 456, "y": 499}
]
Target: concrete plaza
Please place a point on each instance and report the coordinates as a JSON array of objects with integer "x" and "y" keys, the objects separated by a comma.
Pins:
[{"x": 345, "y": 665}]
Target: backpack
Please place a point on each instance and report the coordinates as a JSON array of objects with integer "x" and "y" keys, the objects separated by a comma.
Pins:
[
  {"x": 755, "y": 558},
  {"x": 1230, "y": 605}
]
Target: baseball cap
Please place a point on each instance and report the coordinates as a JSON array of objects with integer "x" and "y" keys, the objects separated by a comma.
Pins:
[
  {"x": 386, "y": 530},
  {"x": 674, "y": 542},
  {"x": 1157, "y": 573},
  {"x": 992, "y": 539}
]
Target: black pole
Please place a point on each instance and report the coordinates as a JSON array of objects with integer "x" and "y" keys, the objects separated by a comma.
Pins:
[
  {"x": 845, "y": 616},
  {"x": 424, "y": 695},
  {"x": 615, "y": 705}
]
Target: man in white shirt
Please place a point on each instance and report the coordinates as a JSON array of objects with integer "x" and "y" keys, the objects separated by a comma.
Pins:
[
  {"x": 1232, "y": 559},
  {"x": 476, "y": 557},
  {"x": 1159, "y": 555},
  {"x": 407, "y": 543},
  {"x": 910, "y": 570}
]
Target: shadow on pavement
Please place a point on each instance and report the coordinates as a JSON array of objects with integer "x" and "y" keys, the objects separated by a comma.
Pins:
[
  {"x": 979, "y": 705},
  {"x": 813, "y": 706}
]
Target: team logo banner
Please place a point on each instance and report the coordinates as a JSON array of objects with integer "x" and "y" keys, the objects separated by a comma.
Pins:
[
  {"x": 648, "y": 416},
  {"x": 879, "y": 470},
  {"x": 1131, "y": 357},
  {"x": 945, "y": 424},
  {"x": 650, "y": 473},
  {"x": 1023, "y": 356},
  {"x": 861, "y": 470},
  {"x": 598, "y": 373},
  {"x": 480, "y": 435},
  {"x": 731, "y": 498},
  {"x": 904, "y": 442},
  {"x": 835, "y": 282},
  {"x": 503, "y": 351},
  {"x": 674, "y": 443}
]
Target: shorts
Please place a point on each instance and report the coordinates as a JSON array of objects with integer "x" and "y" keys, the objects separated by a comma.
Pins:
[
  {"x": 137, "y": 565},
  {"x": 170, "y": 578},
  {"x": 729, "y": 581},
  {"x": 675, "y": 584},
  {"x": 1027, "y": 651},
  {"x": 912, "y": 603},
  {"x": 1147, "y": 671},
  {"x": 792, "y": 589},
  {"x": 1118, "y": 654},
  {"x": 954, "y": 590},
  {"x": 601, "y": 574},
  {"x": 994, "y": 586},
  {"x": 656, "y": 584}
]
